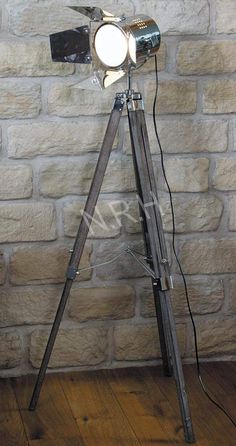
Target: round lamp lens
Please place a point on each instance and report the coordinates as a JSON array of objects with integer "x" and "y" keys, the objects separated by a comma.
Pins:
[{"x": 111, "y": 45}]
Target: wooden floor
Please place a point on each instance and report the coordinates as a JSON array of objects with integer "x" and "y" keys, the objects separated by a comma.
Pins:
[{"x": 117, "y": 408}]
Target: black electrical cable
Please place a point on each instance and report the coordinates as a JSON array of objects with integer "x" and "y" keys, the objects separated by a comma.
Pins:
[{"x": 211, "y": 398}]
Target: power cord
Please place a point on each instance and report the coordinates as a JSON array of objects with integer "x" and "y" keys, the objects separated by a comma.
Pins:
[{"x": 204, "y": 388}]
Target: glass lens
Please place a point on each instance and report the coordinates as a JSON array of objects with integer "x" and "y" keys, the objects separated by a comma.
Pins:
[{"x": 111, "y": 45}]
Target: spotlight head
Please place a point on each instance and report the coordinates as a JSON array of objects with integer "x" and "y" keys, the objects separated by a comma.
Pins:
[{"x": 113, "y": 45}]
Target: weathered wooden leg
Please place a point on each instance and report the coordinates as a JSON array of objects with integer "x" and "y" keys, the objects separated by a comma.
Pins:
[
  {"x": 158, "y": 252},
  {"x": 80, "y": 239},
  {"x": 165, "y": 351}
]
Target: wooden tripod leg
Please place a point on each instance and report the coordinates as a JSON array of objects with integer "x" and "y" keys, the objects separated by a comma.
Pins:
[
  {"x": 165, "y": 353},
  {"x": 163, "y": 335},
  {"x": 165, "y": 298},
  {"x": 159, "y": 256},
  {"x": 178, "y": 372},
  {"x": 80, "y": 239}
]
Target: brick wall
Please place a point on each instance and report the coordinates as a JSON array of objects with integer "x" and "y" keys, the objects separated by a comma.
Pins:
[{"x": 51, "y": 133}]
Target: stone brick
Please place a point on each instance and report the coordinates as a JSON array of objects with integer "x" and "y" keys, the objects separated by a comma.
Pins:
[
  {"x": 10, "y": 350},
  {"x": 179, "y": 16},
  {"x": 225, "y": 16},
  {"x": 187, "y": 174},
  {"x": 28, "y": 305},
  {"x": 232, "y": 213},
  {"x": 206, "y": 57},
  {"x": 224, "y": 174},
  {"x": 173, "y": 97},
  {"x": 73, "y": 347},
  {"x": 180, "y": 136},
  {"x": 216, "y": 337},
  {"x": 43, "y": 18},
  {"x": 40, "y": 264},
  {"x": 55, "y": 138},
  {"x": 186, "y": 136},
  {"x": 68, "y": 100},
  {"x": 209, "y": 256},
  {"x": 220, "y": 96},
  {"x": 116, "y": 302},
  {"x": 234, "y": 135},
  {"x": 141, "y": 342},
  {"x": 2, "y": 268},
  {"x": 59, "y": 179},
  {"x": 232, "y": 295},
  {"x": 206, "y": 296},
  {"x": 104, "y": 223},
  {"x": 15, "y": 182},
  {"x": 29, "y": 59},
  {"x": 27, "y": 222},
  {"x": 19, "y": 100},
  {"x": 123, "y": 267},
  {"x": 119, "y": 176},
  {"x": 131, "y": 220},
  {"x": 192, "y": 213}
]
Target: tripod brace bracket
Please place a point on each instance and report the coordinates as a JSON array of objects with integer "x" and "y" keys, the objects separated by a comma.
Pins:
[
  {"x": 133, "y": 100},
  {"x": 71, "y": 273}
]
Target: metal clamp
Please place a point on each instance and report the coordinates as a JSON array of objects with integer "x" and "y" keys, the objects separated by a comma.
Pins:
[
  {"x": 166, "y": 283},
  {"x": 133, "y": 100},
  {"x": 71, "y": 273}
]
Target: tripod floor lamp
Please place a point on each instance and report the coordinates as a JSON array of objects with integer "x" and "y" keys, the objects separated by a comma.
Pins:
[{"x": 115, "y": 46}]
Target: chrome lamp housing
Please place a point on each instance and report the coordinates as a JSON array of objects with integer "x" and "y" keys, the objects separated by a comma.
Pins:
[{"x": 112, "y": 45}]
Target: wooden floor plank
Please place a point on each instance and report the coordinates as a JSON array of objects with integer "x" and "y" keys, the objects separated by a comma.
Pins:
[
  {"x": 224, "y": 373},
  {"x": 135, "y": 401},
  {"x": 168, "y": 388},
  {"x": 11, "y": 427},
  {"x": 221, "y": 382},
  {"x": 208, "y": 413},
  {"x": 231, "y": 364},
  {"x": 163, "y": 407},
  {"x": 128, "y": 407},
  {"x": 55, "y": 442},
  {"x": 52, "y": 421},
  {"x": 99, "y": 417}
]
